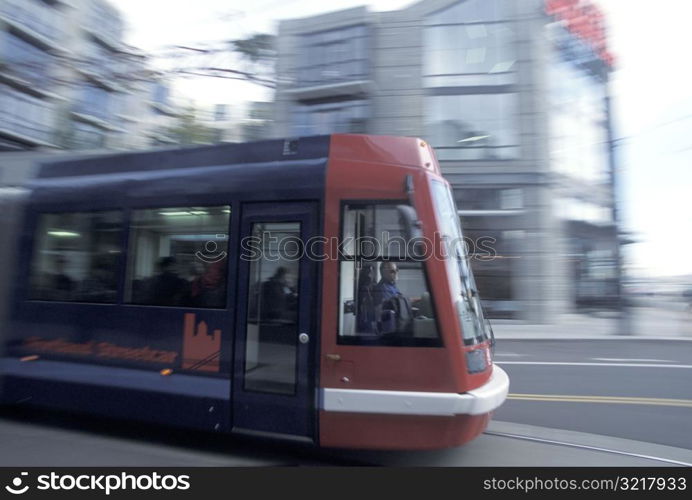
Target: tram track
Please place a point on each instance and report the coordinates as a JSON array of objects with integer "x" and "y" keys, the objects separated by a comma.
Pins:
[{"x": 588, "y": 447}]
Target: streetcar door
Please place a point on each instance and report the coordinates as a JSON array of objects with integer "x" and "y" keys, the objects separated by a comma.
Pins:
[{"x": 276, "y": 335}]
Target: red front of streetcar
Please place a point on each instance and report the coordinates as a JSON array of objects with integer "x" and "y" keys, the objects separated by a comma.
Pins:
[{"x": 424, "y": 382}]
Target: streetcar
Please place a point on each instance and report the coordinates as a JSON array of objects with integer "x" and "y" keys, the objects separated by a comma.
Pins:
[{"x": 314, "y": 289}]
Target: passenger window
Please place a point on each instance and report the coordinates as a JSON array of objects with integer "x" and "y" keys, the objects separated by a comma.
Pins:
[
  {"x": 384, "y": 296},
  {"x": 178, "y": 257},
  {"x": 76, "y": 257}
]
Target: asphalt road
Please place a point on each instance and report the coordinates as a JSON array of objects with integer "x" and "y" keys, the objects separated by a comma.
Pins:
[
  {"x": 626, "y": 388},
  {"x": 52, "y": 439}
]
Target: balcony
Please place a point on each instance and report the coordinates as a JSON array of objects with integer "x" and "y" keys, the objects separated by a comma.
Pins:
[
  {"x": 108, "y": 40},
  {"x": 25, "y": 118},
  {"x": 104, "y": 24},
  {"x": 34, "y": 21},
  {"x": 340, "y": 89},
  {"x": 23, "y": 65},
  {"x": 91, "y": 117}
]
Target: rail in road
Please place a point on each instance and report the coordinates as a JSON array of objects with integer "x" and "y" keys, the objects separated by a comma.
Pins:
[
  {"x": 50, "y": 439},
  {"x": 634, "y": 389}
]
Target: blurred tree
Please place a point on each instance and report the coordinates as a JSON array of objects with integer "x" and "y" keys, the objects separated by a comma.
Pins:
[
  {"x": 251, "y": 59},
  {"x": 190, "y": 131},
  {"x": 258, "y": 48}
]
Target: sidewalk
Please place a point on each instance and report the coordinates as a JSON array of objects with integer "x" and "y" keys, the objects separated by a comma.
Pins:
[{"x": 644, "y": 322}]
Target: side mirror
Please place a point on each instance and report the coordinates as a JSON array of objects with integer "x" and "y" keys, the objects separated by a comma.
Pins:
[
  {"x": 349, "y": 307},
  {"x": 410, "y": 222},
  {"x": 491, "y": 334},
  {"x": 413, "y": 231}
]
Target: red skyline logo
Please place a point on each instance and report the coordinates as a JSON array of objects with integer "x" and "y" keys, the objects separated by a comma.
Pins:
[{"x": 201, "y": 349}]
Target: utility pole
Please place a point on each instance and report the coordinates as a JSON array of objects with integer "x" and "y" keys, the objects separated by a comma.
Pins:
[{"x": 624, "y": 322}]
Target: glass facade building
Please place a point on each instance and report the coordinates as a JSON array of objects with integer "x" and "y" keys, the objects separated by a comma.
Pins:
[{"x": 513, "y": 96}]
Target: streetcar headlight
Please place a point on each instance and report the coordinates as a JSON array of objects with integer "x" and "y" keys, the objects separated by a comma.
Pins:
[{"x": 476, "y": 361}]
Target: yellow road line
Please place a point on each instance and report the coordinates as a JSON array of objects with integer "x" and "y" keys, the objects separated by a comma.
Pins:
[{"x": 568, "y": 398}]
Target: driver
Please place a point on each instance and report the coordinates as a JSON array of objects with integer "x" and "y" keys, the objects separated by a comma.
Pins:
[{"x": 386, "y": 296}]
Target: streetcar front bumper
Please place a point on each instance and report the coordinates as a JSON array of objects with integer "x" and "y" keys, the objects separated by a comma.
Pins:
[
  {"x": 478, "y": 401},
  {"x": 407, "y": 420}
]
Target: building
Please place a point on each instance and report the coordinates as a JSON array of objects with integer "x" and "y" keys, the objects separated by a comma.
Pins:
[
  {"x": 257, "y": 125},
  {"x": 67, "y": 80},
  {"x": 31, "y": 43},
  {"x": 225, "y": 122},
  {"x": 513, "y": 95},
  {"x": 241, "y": 122}
]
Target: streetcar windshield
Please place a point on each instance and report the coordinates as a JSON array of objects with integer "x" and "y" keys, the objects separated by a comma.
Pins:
[{"x": 464, "y": 291}]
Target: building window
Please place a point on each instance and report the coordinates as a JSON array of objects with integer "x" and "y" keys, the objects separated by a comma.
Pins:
[
  {"x": 93, "y": 100},
  {"x": 178, "y": 256},
  {"x": 470, "y": 70},
  {"x": 42, "y": 17},
  {"x": 333, "y": 117},
  {"x": 469, "y": 54},
  {"x": 24, "y": 60},
  {"x": 76, "y": 257},
  {"x": 470, "y": 43},
  {"x": 103, "y": 63},
  {"x": 333, "y": 56},
  {"x": 472, "y": 127},
  {"x": 489, "y": 199},
  {"x": 594, "y": 267},
  {"x": 495, "y": 252},
  {"x": 25, "y": 115},
  {"x": 221, "y": 113},
  {"x": 160, "y": 93},
  {"x": 577, "y": 119},
  {"x": 470, "y": 11},
  {"x": 87, "y": 136},
  {"x": 574, "y": 209},
  {"x": 108, "y": 20}
]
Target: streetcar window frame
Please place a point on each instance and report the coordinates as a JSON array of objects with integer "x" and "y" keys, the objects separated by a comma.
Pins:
[
  {"x": 379, "y": 341},
  {"x": 127, "y": 293},
  {"x": 36, "y": 220},
  {"x": 123, "y": 267}
]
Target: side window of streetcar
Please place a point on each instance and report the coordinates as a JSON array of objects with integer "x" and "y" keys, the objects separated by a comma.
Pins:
[
  {"x": 383, "y": 291},
  {"x": 178, "y": 257},
  {"x": 76, "y": 257}
]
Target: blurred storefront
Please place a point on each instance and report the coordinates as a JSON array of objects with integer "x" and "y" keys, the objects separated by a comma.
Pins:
[{"x": 513, "y": 95}]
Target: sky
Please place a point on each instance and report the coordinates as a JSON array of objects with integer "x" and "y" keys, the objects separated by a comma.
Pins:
[{"x": 651, "y": 89}]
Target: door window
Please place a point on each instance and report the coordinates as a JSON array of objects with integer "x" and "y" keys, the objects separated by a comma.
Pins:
[{"x": 272, "y": 319}]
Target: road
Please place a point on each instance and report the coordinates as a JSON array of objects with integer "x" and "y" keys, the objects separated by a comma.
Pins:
[
  {"x": 627, "y": 388},
  {"x": 33, "y": 438}
]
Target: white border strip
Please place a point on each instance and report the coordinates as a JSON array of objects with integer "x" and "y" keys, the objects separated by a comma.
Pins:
[{"x": 476, "y": 402}]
